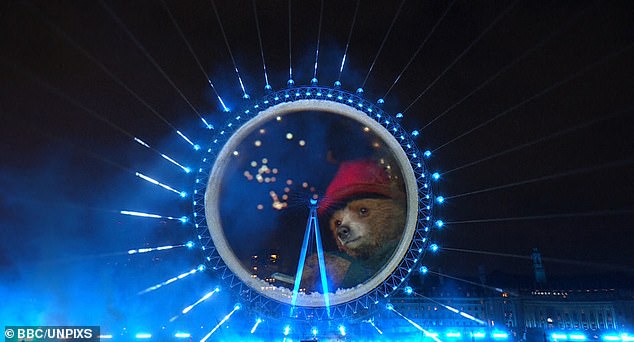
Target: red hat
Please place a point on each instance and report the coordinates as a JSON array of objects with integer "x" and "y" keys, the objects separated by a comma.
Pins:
[{"x": 355, "y": 178}]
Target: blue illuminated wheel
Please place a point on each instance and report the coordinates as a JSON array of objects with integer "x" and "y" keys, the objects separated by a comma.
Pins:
[{"x": 285, "y": 148}]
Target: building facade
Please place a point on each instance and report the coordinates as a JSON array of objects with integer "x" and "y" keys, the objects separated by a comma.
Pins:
[{"x": 535, "y": 314}]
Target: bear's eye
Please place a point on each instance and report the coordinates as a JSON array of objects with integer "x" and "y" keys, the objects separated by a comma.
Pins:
[
  {"x": 363, "y": 211},
  {"x": 337, "y": 223}
]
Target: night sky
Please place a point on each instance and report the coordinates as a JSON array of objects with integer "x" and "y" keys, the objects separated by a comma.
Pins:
[{"x": 526, "y": 105}]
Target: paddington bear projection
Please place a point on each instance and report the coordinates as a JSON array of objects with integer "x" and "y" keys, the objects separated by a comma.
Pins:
[{"x": 365, "y": 207}]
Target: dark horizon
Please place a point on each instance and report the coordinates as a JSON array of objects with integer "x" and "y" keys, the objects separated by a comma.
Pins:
[{"x": 526, "y": 106}]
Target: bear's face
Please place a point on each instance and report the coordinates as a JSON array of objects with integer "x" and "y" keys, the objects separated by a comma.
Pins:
[{"x": 365, "y": 224}]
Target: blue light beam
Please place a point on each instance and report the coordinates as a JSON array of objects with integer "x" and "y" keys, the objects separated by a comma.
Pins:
[
  {"x": 143, "y": 143},
  {"x": 202, "y": 299},
  {"x": 207, "y": 124},
  {"x": 224, "y": 35},
  {"x": 222, "y": 103},
  {"x": 235, "y": 308},
  {"x": 255, "y": 326},
  {"x": 166, "y": 157},
  {"x": 345, "y": 51},
  {"x": 182, "y": 219},
  {"x": 320, "y": 257},
  {"x": 200, "y": 268},
  {"x": 164, "y": 186},
  {"x": 184, "y": 168},
  {"x": 154, "y": 249},
  {"x": 311, "y": 225},
  {"x": 195, "y": 146},
  {"x": 452, "y": 309},
  {"x": 257, "y": 25},
  {"x": 371, "y": 322},
  {"x": 427, "y": 333},
  {"x": 321, "y": 15}
]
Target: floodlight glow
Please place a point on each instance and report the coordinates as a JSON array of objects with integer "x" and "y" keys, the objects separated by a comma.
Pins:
[
  {"x": 435, "y": 176},
  {"x": 434, "y": 247},
  {"x": 107, "y": 336},
  {"x": 453, "y": 334},
  {"x": 182, "y": 335},
  {"x": 287, "y": 330},
  {"x": 611, "y": 338},
  {"x": 478, "y": 334},
  {"x": 423, "y": 270},
  {"x": 626, "y": 337},
  {"x": 440, "y": 199},
  {"x": 557, "y": 336},
  {"x": 189, "y": 244},
  {"x": 440, "y": 223},
  {"x": 389, "y": 306},
  {"x": 142, "y": 336},
  {"x": 415, "y": 133},
  {"x": 427, "y": 154},
  {"x": 314, "y": 331},
  {"x": 342, "y": 330},
  {"x": 577, "y": 337},
  {"x": 500, "y": 335},
  {"x": 408, "y": 290}
]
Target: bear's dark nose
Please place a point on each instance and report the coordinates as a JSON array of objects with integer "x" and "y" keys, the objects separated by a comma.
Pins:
[{"x": 343, "y": 232}]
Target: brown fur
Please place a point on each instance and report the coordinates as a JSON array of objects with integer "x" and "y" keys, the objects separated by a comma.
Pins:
[
  {"x": 371, "y": 223},
  {"x": 336, "y": 268}
]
